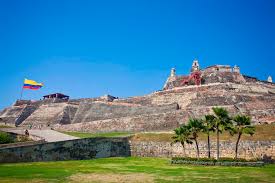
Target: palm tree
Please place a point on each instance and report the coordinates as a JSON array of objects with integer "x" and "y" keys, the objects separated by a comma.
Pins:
[
  {"x": 222, "y": 122},
  {"x": 208, "y": 126},
  {"x": 182, "y": 135},
  {"x": 242, "y": 126},
  {"x": 195, "y": 126}
]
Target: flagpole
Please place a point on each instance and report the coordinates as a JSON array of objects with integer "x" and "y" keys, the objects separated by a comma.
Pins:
[{"x": 21, "y": 93}]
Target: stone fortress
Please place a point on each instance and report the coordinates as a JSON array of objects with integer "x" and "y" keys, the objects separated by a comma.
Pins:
[{"x": 182, "y": 97}]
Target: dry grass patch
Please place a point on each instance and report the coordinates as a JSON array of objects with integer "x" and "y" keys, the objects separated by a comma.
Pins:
[
  {"x": 112, "y": 177},
  {"x": 263, "y": 132}
]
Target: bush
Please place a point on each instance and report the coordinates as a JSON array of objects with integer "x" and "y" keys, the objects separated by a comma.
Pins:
[
  {"x": 214, "y": 160},
  {"x": 22, "y": 138},
  {"x": 5, "y": 138}
]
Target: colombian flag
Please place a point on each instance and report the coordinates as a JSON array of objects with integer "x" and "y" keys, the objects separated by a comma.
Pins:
[{"x": 32, "y": 85}]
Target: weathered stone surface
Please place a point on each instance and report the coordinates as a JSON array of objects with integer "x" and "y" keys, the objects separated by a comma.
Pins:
[
  {"x": 67, "y": 150},
  {"x": 46, "y": 115},
  {"x": 9, "y": 115},
  {"x": 112, "y": 147},
  {"x": 247, "y": 149},
  {"x": 145, "y": 122},
  {"x": 100, "y": 111}
]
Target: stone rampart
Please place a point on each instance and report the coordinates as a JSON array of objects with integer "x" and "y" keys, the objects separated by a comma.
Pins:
[
  {"x": 148, "y": 122},
  {"x": 99, "y": 111},
  {"x": 247, "y": 149},
  {"x": 67, "y": 150},
  {"x": 123, "y": 147}
]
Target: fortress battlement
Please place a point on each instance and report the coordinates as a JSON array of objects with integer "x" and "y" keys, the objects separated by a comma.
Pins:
[{"x": 211, "y": 74}]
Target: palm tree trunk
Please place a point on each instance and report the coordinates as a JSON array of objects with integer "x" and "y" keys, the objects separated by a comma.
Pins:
[
  {"x": 197, "y": 146},
  {"x": 182, "y": 143},
  {"x": 208, "y": 143},
  {"x": 237, "y": 145},
  {"x": 218, "y": 144}
]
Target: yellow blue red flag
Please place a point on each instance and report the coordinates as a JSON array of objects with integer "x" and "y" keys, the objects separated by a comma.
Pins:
[{"x": 32, "y": 85}]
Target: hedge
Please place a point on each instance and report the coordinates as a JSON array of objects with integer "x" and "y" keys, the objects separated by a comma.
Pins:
[
  {"x": 5, "y": 138},
  {"x": 214, "y": 162}
]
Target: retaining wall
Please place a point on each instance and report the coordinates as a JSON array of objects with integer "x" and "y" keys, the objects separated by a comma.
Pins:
[
  {"x": 67, "y": 150},
  {"x": 247, "y": 149},
  {"x": 123, "y": 147}
]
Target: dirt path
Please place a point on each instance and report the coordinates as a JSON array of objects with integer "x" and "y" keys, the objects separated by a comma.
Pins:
[{"x": 47, "y": 134}]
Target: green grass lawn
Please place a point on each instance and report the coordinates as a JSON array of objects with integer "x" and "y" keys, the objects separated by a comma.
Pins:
[
  {"x": 130, "y": 169},
  {"x": 87, "y": 135}
]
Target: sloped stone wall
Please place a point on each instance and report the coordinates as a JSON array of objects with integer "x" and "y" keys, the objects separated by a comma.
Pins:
[
  {"x": 25, "y": 113},
  {"x": 10, "y": 114},
  {"x": 88, "y": 112},
  {"x": 148, "y": 122},
  {"x": 67, "y": 150}
]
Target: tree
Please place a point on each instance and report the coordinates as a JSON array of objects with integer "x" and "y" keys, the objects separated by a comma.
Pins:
[
  {"x": 5, "y": 138},
  {"x": 182, "y": 135},
  {"x": 242, "y": 126},
  {"x": 208, "y": 126},
  {"x": 195, "y": 126},
  {"x": 222, "y": 122}
]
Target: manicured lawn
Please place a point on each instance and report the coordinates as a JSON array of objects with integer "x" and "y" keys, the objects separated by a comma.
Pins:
[
  {"x": 130, "y": 169},
  {"x": 87, "y": 135}
]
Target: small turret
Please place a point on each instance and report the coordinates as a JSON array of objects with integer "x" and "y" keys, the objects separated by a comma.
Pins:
[
  {"x": 170, "y": 79},
  {"x": 236, "y": 69},
  {"x": 173, "y": 72},
  {"x": 195, "y": 66},
  {"x": 269, "y": 79}
]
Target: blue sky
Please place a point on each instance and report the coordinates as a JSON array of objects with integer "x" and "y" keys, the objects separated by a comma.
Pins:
[{"x": 127, "y": 48}]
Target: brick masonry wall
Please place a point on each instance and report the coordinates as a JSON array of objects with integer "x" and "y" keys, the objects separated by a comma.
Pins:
[
  {"x": 247, "y": 149},
  {"x": 67, "y": 150}
]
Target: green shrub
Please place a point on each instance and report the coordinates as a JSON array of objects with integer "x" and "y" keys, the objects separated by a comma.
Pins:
[
  {"x": 214, "y": 160},
  {"x": 220, "y": 162},
  {"x": 22, "y": 138},
  {"x": 5, "y": 138}
]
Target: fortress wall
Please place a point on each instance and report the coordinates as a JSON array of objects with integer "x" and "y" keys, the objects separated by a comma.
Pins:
[
  {"x": 90, "y": 148},
  {"x": 148, "y": 122},
  {"x": 46, "y": 114},
  {"x": 67, "y": 150},
  {"x": 68, "y": 114},
  {"x": 247, "y": 149},
  {"x": 142, "y": 100},
  {"x": 162, "y": 121},
  {"x": 88, "y": 112},
  {"x": 25, "y": 113},
  {"x": 10, "y": 114}
]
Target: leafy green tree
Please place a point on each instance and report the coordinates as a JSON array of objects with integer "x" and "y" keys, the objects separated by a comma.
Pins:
[
  {"x": 222, "y": 122},
  {"x": 242, "y": 126},
  {"x": 195, "y": 126},
  {"x": 208, "y": 126},
  {"x": 182, "y": 135}
]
